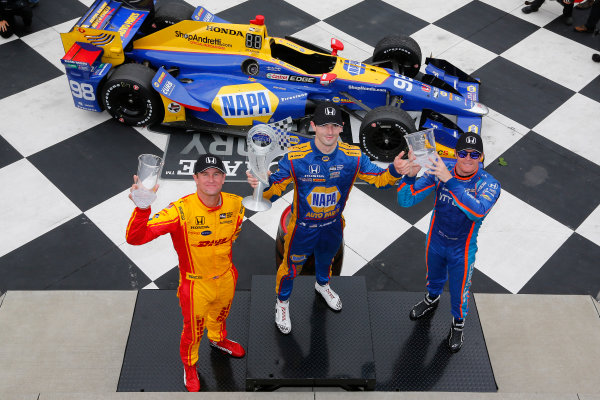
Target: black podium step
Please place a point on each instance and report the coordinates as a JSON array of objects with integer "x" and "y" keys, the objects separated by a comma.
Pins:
[
  {"x": 325, "y": 348},
  {"x": 152, "y": 362},
  {"x": 413, "y": 355},
  {"x": 370, "y": 344}
]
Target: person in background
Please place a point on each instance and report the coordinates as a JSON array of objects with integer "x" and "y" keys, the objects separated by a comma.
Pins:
[
  {"x": 592, "y": 20},
  {"x": 9, "y": 9},
  {"x": 567, "y": 14}
]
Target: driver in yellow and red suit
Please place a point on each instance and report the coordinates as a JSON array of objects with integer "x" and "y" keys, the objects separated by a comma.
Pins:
[{"x": 203, "y": 227}]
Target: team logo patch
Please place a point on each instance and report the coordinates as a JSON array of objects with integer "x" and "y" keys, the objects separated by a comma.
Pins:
[
  {"x": 298, "y": 257},
  {"x": 354, "y": 67},
  {"x": 323, "y": 199},
  {"x": 200, "y": 220}
]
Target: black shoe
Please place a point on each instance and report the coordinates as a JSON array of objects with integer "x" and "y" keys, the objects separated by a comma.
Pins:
[
  {"x": 455, "y": 337},
  {"x": 568, "y": 21},
  {"x": 528, "y": 9},
  {"x": 424, "y": 307}
]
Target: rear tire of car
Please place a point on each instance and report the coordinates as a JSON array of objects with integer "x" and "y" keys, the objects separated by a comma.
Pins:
[
  {"x": 401, "y": 53},
  {"x": 382, "y": 133},
  {"x": 128, "y": 96},
  {"x": 309, "y": 265},
  {"x": 170, "y": 13}
]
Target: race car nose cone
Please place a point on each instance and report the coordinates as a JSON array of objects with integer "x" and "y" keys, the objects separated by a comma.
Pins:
[{"x": 479, "y": 108}]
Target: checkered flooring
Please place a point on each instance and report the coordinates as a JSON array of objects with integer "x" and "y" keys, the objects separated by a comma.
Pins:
[{"x": 65, "y": 173}]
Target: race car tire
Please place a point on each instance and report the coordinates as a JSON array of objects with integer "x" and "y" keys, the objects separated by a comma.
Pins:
[
  {"x": 402, "y": 49},
  {"x": 382, "y": 133},
  {"x": 128, "y": 96},
  {"x": 170, "y": 13},
  {"x": 309, "y": 265}
]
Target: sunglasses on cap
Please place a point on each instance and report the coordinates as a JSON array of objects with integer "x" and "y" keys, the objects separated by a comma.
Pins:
[{"x": 474, "y": 154}]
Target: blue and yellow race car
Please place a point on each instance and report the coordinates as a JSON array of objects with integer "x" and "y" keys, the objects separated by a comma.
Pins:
[{"x": 175, "y": 65}]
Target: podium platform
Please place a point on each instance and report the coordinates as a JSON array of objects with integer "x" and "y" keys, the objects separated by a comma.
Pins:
[
  {"x": 324, "y": 348},
  {"x": 152, "y": 363},
  {"x": 371, "y": 344},
  {"x": 413, "y": 356}
]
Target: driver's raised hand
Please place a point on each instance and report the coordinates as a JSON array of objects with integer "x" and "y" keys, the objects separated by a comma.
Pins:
[{"x": 406, "y": 166}]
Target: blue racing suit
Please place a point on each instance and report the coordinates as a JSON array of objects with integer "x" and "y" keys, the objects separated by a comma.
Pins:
[
  {"x": 322, "y": 184},
  {"x": 460, "y": 206}
]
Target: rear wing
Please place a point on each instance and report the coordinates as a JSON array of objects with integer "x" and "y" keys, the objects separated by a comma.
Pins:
[
  {"x": 110, "y": 25},
  {"x": 457, "y": 81}
]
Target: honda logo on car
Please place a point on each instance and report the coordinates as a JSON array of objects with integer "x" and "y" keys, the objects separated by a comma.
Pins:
[
  {"x": 217, "y": 29},
  {"x": 241, "y": 105}
]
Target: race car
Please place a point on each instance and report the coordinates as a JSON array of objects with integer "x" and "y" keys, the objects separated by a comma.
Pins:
[{"x": 171, "y": 64}]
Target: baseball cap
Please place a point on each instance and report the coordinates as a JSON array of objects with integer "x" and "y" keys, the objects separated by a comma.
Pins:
[
  {"x": 328, "y": 113},
  {"x": 469, "y": 141},
  {"x": 207, "y": 161}
]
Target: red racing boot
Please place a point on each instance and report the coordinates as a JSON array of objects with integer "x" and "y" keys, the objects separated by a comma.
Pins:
[
  {"x": 234, "y": 349},
  {"x": 190, "y": 378}
]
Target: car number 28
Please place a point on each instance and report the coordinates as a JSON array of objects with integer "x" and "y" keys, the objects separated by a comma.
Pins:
[{"x": 82, "y": 90}]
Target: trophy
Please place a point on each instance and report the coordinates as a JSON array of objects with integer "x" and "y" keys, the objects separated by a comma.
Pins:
[
  {"x": 149, "y": 167},
  {"x": 265, "y": 143}
]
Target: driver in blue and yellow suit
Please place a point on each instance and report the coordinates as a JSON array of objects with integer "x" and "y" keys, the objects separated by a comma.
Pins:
[
  {"x": 323, "y": 171},
  {"x": 464, "y": 195}
]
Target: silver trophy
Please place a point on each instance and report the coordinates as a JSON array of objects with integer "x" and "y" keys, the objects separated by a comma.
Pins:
[{"x": 265, "y": 143}]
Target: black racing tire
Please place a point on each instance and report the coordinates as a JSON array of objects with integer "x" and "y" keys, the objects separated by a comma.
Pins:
[
  {"x": 382, "y": 133},
  {"x": 171, "y": 12},
  {"x": 400, "y": 53},
  {"x": 309, "y": 266},
  {"x": 128, "y": 96}
]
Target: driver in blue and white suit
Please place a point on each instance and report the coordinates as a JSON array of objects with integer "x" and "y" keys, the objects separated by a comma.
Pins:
[
  {"x": 323, "y": 172},
  {"x": 464, "y": 195}
]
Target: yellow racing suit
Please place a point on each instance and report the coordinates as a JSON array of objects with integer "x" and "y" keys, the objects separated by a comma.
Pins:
[{"x": 203, "y": 237}]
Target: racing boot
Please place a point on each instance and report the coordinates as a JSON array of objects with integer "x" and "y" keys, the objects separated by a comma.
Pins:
[
  {"x": 333, "y": 300},
  {"x": 424, "y": 307},
  {"x": 282, "y": 316},
  {"x": 234, "y": 349},
  {"x": 529, "y": 9},
  {"x": 190, "y": 378},
  {"x": 455, "y": 337}
]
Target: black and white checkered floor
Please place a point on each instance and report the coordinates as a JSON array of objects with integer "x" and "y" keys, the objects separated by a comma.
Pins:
[{"x": 65, "y": 173}]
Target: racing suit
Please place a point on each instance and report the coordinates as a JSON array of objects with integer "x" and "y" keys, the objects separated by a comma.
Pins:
[
  {"x": 460, "y": 206},
  {"x": 322, "y": 185},
  {"x": 202, "y": 237}
]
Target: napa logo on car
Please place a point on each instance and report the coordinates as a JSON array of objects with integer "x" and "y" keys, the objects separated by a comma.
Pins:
[
  {"x": 243, "y": 104},
  {"x": 322, "y": 200}
]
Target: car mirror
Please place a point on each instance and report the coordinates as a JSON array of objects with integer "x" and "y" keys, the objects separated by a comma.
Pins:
[
  {"x": 327, "y": 78},
  {"x": 336, "y": 46}
]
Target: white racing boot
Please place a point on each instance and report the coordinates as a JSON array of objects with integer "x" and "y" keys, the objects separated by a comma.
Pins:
[
  {"x": 333, "y": 300},
  {"x": 282, "y": 316}
]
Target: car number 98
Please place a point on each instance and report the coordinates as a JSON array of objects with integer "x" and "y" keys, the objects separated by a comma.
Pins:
[{"x": 82, "y": 90}]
